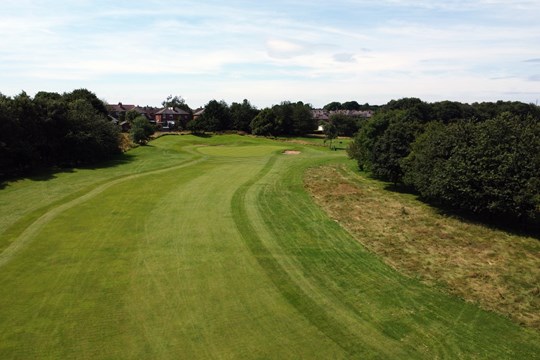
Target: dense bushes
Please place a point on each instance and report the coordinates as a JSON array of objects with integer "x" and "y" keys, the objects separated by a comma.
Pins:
[
  {"x": 53, "y": 129},
  {"x": 491, "y": 167},
  {"x": 479, "y": 158}
]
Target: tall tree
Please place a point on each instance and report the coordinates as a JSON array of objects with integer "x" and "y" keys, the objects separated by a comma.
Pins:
[
  {"x": 302, "y": 119},
  {"x": 91, "y": 137},
  {"x": 333, "y": 106},
  {"x": 176, "y": 102},
  {"x": 330, "y": 132},
  {"x": 84, "y": 94},
  {"x": 351, "y": 105},
  {"x": 394, "y": 145},
  {"x": 216, "y": 116},
  {"x": 345, "y": 125},
  {"x": 52, "y": 109},
  {"x": 265, "y": 123},
  {"x": 11, "y": 137},
  {"x": 242, "y": 115}
]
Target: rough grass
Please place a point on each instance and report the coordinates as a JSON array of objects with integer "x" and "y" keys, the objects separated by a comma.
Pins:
[
  {"x": 177, "y": 253},
  {"x": 493, "y": 268}
]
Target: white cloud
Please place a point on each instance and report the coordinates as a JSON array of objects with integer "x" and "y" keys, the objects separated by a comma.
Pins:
[{"x": 283, "y": 49}]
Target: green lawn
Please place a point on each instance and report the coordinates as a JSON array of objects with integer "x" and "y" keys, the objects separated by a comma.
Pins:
[{"x": 210, "y": 248}]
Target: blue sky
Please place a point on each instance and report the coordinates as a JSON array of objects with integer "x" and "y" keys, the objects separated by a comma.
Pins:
[{"x": 270, "y": 51}]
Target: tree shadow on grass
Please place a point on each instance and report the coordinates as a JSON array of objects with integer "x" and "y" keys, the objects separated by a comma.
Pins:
[
  {"x": 49, "y": 173},
  {"x": 520, "y": 227},
  {"x": 201, "y": 134}
]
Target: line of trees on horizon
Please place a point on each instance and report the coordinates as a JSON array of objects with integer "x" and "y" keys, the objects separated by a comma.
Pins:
[{"x": 284, "y": 119}]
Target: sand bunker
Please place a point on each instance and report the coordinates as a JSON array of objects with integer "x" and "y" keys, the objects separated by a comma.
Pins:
[{"x": 291, "y": 152}]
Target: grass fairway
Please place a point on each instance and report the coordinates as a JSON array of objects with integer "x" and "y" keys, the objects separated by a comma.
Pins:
[{"x": 210, "y": 248}]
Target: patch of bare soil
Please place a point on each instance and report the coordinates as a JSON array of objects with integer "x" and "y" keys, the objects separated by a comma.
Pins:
[
  {"x": 291, "y": 152},
  {"x": 498, "y": 270}
]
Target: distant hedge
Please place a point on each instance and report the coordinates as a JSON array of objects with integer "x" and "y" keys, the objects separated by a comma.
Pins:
[
  {"x": 482, "y": 158},
  {"x": 54, "y": 130}
]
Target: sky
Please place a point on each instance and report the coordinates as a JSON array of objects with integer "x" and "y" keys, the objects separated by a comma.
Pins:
[{"x": 139, "y": 52}]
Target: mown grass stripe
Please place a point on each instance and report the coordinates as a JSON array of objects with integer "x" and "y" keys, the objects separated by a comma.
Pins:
[
  {"x": 25, "y": 236},
  {"x": 312, "y": 311}
]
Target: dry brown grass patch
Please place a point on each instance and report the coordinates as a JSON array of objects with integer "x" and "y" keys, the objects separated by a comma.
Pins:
[{"x": 497, "y": 270}]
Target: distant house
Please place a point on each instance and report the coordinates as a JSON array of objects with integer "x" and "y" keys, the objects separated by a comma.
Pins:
[
  {"x": 170, "y": 118},
  {"x": 117, "y": 114},
  {"x": 117, "y": 111},
  {"x": 320, "y": 114},
  {"x": 147, "y": 111},
  {"x": 165, "y": 118},
  {"x": 197, "y": 113},
  {"x": 125, "y": 125}
]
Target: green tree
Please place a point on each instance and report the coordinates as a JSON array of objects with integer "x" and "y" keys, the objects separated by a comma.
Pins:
[
  {"x": 11, "y": 137},
  {"x": 330, "y": 132},
  {"x": 141, "y": 130},
  {"x": 302, "y": 119},
  {"x": 362, "y": 147},
  {"x": 31, "y": 138},
  {"x": 451, "y": 111},
  {"x": 52, "y": 110},
  {"x": 265, "y": 123},
  {"x": 216, "y": 117},
  {"x": 392, "y": 146},
  {"x": 283, "y": 118},
  {"x": 351, "y": 105},
  {"x": 415, "y": 107},
  {"x": 131, "y": 115},
  {"x": 333, "y": 106},
  {"x": 488, "y": 167},
  {"x": 84, "y": 94},
  {"x": 176, "y": 102},
  {"x": 90, "y": 136},
  {"x": 386, "y": 138},
  {"x": 489, "y": 110},
  {"x": 195, "y": 126},
  {"x": 345, "y": 125},
  {"x": 242, "y": 114},
  {"x": 293, "y": 119}
]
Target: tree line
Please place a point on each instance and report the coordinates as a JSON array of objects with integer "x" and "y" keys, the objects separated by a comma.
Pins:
[
  {"x": 349, "y": 105},
  {"x": 287, "y": 118},
  {"x": 284, "y": 119},
  {"x": 54, "y": 129},
  {"x": 483, "y": 158}
]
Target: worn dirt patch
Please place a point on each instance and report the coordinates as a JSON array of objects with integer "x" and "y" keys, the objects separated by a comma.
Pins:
[{"x": 291, "y": 152}]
